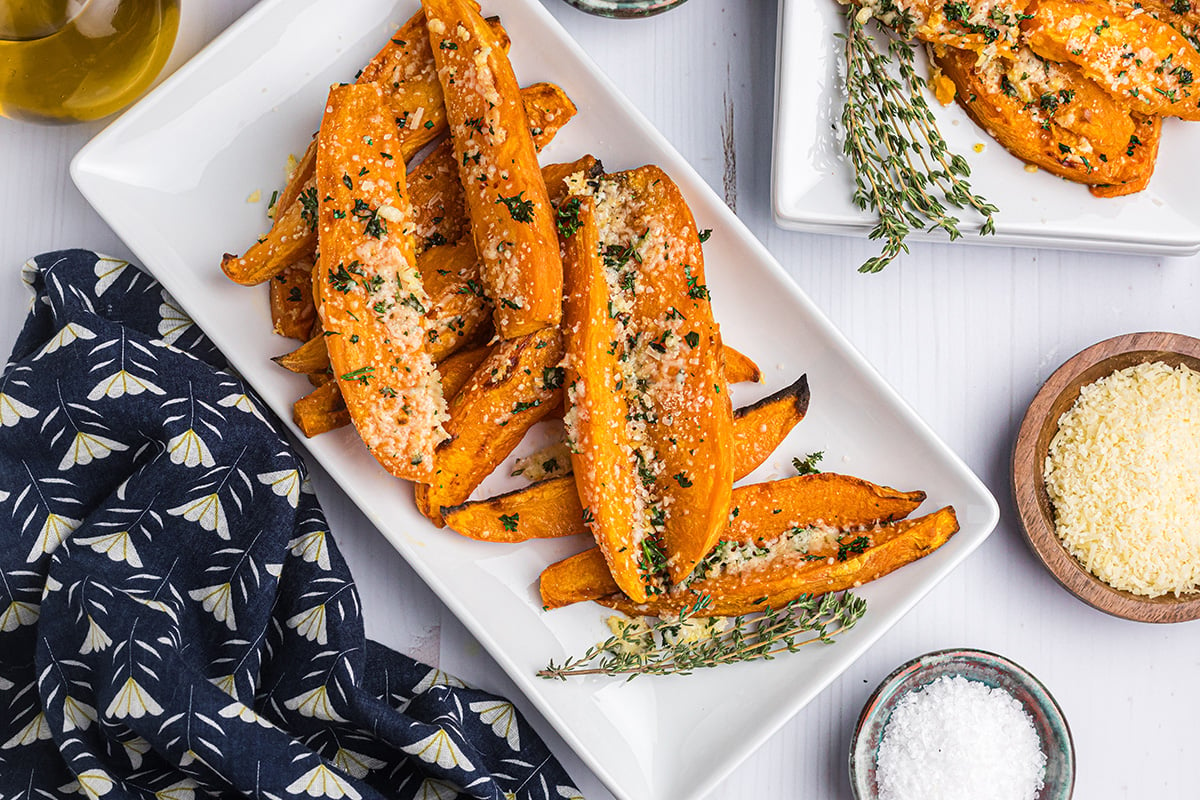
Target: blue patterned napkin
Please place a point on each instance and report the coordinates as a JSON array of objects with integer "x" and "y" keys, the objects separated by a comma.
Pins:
[{"x": 175, "y": 618}]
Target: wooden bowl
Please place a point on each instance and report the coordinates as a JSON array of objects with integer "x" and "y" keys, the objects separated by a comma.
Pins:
[{"x": 1029, "y": 458}]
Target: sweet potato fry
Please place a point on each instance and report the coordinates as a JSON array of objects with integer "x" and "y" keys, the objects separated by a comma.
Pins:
[
  {"x": 321, "y": 410},
  {"x": 309, "y": 358},
  {"x": 1143, "y": 62},
  {"x": 368, "y": 290},
  {"x": 511, "y": 218},
  {"x": 292, "y": 310},
  {"x": 300, "y": 178},
  {"x": 439, "y": 206},
  {"x": 759, "y": 428},
  {"x": 1051, "y": 115},
  {"x": 856, "y": 558},
  {"x": 404, "y": 70},
  {"x": 535, "y": 511},
  {"x": 617, "y": 501},
  {"x": 555, "y": 510},
  {"x": 668, "y": 350},
  {"x": 512, "y": 390},
  {"x": 460, "y": 310},
  {"x": 971, "y": 24},
  {"x": 740, "y": 368},
  {"x": 766, "y": 511}
]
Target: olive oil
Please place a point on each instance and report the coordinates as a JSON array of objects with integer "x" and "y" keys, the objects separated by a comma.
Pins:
[{"x": 69, "y": 60}]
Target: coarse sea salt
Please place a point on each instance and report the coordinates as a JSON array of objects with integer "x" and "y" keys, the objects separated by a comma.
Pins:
[{"x": 958, "y": 739}]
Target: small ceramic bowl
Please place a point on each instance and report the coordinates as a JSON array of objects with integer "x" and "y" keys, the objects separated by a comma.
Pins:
[
  {"x": 1029, "y": 458},
  {"x": 975, "y": 665},
  {"x": 625, "y": 8}
]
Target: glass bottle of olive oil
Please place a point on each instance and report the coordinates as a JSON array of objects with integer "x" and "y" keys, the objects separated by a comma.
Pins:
[{"x": 69, "y": 60}]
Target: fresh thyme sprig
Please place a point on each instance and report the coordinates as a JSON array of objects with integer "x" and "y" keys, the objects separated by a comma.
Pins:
[
  {"x": 903, "y": 169},
  {"x": 666, "y": 648}
]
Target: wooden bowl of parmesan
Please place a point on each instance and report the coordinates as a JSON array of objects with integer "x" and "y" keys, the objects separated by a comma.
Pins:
[{"x": 1106, "y": 476}]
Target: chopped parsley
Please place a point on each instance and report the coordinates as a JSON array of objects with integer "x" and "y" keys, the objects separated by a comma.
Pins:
[
  {"x": 566, "y": 218},
  {"x": 308, "y": 207},
  {"x": 808, "y": 465},
  {"x": 362, "y": 375},
  {"x": 509, "y": 521},
  {"x": 519, "y": 209}
]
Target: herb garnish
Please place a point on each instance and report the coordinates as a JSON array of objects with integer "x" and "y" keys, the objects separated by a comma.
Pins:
[
  {"x": 659, "y": 649},
  {"x": 808, "y": 465},
  {"x": 308, "y": 207},
  {"x": 519, "y": 209},
  {"x": 566, "y": 218},
  {"x": 903, "y": 168}
]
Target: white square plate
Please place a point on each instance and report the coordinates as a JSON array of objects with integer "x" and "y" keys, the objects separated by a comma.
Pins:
[
  {"x": 171, "y": 177},
  {"x": 812, "y": 184}
]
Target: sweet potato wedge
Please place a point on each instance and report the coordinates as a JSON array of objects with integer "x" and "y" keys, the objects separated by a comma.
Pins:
[
  {"x": 439, "y": 206},
  {"x": 510, "y": 391},
  {"x": 765, "y": 512},
  {"x": 1141, "y": 61},
  {"x": 973, "y": 25},
  {"x": 511, "y": 218},
  {"x": 759, "y": 428},
  {"x": 775, "y": 580},
  {"x": 617, "y": 502},
  {"x": 1051, "y": 115},
  {"x": 310, "y": 357},
  {"x": 321, "y": 410},
  {"x": 368, "y": 290},
  {"x": 404, "y": 69},
  {"x": 553, "y": 511},
  {"x": 740, "y": 368},
  {"x": 532, "y": 512},
  {"x": 292, "y": 309},
  {"x": 461, "y": 309},
  {"x": 669, "y": 358}
]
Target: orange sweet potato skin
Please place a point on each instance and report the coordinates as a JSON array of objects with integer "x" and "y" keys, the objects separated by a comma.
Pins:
[
  {"x": 765, "y": 511},
  {"x": 321, "y": 410},
  {"x": 759, "y": 428},
  {"x": 292, "y": 310},
  {"x": 780, "y": 580}
]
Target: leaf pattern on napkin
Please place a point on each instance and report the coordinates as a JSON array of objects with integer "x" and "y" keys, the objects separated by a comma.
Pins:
[{"x": 175, "y": 618}]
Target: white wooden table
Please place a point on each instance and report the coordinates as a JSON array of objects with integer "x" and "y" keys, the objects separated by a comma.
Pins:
[{"x": 966, "y": 334}]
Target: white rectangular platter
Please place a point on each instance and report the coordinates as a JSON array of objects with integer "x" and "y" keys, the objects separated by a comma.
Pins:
[
  {"x": 172, "y": 176},
  {"x": 812, "y": 184}
]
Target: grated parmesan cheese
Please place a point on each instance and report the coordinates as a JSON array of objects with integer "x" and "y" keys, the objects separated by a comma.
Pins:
[{"x": 1123, "y": 474}]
